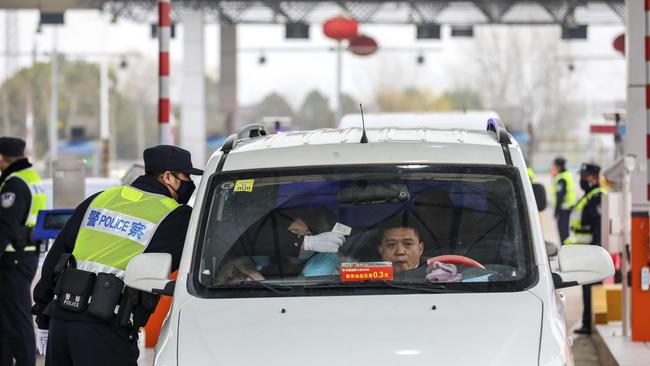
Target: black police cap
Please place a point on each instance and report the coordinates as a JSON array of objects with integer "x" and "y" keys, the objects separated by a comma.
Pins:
[
  {"x": 560, "y": 162},
  {"x": 162, "y": 158},
  {"x": 12, "y": 146},
  {"x": 589, "y": 169}
]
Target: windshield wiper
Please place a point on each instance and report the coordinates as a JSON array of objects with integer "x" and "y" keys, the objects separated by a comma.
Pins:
[
  {"x": 429, "y": 288},
  {"x": 278, "y": 289}
]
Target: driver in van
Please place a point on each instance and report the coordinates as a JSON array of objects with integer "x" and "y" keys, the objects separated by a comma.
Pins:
[{"x": 403, "y": 247}]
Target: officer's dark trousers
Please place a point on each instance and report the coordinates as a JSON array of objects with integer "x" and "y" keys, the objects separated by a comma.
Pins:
[
  {"x": 78, "y": 343},
  {"x": 563, "y": 224},
  {"x": 17, "y": 339},
  {"x": 586, "y": 303}
]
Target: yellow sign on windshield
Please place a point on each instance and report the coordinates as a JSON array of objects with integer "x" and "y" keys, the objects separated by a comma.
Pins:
[{"x": 244, "y": 185}]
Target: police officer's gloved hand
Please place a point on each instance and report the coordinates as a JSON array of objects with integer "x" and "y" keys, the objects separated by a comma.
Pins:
[
  {"x": 327, "y": 242},
  {"x": 41, "y": 340}
]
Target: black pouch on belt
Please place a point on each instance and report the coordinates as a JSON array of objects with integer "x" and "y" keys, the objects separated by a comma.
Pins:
[
  {"x": 106, "y": 295},
  {"x": 73, "y": 289}
]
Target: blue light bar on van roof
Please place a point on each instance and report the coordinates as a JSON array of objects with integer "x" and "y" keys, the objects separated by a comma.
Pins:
[{"x": 495, "y": 125}]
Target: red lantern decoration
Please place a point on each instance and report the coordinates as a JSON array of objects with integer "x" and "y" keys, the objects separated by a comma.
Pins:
[
  {"x": 619, "y": 44},
  {"x": 340, "y": 28},
  {"x": 362, "y": 45}
]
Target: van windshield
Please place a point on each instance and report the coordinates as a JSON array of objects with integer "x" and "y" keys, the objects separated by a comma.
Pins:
[{"x": 380, "y": 229}]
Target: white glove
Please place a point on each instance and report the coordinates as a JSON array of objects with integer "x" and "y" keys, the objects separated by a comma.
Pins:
[
  {"x": 327, "y": 242},
  {"x": 41, "y": 340}
]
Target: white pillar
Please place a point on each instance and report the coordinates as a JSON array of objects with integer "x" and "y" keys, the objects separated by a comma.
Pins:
[
  {"x": 637, "y": 106},
  {"x": 104, "y": 129},
  {"x": 228, "y": 76},
  {"x": 54, "y": 97},
  {"x": 192, "y": 125},
  {"x": 339, "y": 71}
]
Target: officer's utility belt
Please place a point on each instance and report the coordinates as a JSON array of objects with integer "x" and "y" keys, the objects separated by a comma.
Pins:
[
  {"x": 102, "y": 295},
  {"x": 82, "y": 291}
]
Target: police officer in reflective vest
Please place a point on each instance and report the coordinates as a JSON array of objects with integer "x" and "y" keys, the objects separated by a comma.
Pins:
[
  {"x": 91, "y": 317},
  {"x": 21, "y": 197},
  {"x": 563, "y": 196},
  {"x": 585, "y": 228}
]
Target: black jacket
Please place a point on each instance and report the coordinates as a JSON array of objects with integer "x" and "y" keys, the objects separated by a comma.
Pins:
[
  {"x": 591, "y": 216},
  {"x": 168, "y": 238},
  {"x": 15, "y": 201},
  {"x": 560, "y": 193}
]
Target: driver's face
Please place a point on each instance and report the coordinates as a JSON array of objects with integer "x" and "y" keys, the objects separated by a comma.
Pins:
[{"x": 402, "y": 247}]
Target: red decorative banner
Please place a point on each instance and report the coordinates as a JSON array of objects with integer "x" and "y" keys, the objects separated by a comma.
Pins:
[
  {"x": 366, "y": 271},
  {"x": 603, "y": 129}
]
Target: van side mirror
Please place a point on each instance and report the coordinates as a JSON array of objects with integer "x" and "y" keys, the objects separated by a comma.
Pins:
[
  {"x": 540, "y": 196},
  {"x": 149, "y": 272},
  {"x": 582, "y": 264}
]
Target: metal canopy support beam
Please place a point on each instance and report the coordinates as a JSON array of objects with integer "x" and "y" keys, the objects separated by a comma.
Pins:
[
  {"x": 494, "y": 10},
  {"x": 363, "y": 11},
  {"x": 377, "y": 11},
  {"x": 617, "y": 8},
  {"x": 560, "y": 11},
  {"x": 429, "y": 11},
  {"x": 277, "y": 9}
]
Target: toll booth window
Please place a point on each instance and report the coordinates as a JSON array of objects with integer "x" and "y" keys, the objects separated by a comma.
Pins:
[
  {"x": 375, "y": 226},
  {"x": 56, "y": 221}
]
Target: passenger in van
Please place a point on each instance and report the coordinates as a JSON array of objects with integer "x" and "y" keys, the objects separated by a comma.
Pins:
[{"x": 282, "y": 245}]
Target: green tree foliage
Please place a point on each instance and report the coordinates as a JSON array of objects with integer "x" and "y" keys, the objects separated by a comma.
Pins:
[
  {"x": 314, "y": 112},
  {"x": 78, "y": 99},
  {"x": 464, "y": 99},
  {"x": 273, "y": 104},
  {"x": 78, "y": 105},
  {"x": 350, "y": 104},
  {"x": 411, "y": 100}
]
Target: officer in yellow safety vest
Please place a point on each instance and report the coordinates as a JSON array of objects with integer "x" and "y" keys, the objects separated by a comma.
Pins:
[
  {"x": 21, "y": 197},
  {"x": 563, "y": 196},
  {"x": 82, "y": 322},
  {"x": 585, "y": 227}
]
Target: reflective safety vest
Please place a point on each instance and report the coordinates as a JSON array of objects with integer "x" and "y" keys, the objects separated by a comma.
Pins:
[
  {"x": 38, "y": 201},
  {"x": 581, "y": 233},
  {"x": 117, "y": 226},
  {"x": 33, "y": 181},
  {"x": 570, "y": 195},
  {"x": 531, "y": 175}
]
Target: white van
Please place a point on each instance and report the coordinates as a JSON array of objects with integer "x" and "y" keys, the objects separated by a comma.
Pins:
[
  {"x": 419, "y": 247},
  {"x": 472, "y": 119}
]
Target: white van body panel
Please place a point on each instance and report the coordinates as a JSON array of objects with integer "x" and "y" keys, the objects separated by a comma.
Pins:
[
  {"x": 519, "y": 328},
  {"x": 385, "y": 146},
  {"x": 444, "y": 120},
  {"x": 496, "y": 329}
]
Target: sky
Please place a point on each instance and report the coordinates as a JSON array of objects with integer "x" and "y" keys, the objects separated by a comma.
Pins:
[{"x": 600, "y": 69}]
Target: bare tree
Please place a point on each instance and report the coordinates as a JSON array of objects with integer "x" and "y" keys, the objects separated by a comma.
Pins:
[{"x": 521, "y": 76}]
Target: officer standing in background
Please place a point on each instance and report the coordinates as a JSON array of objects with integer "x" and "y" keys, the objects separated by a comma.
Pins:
[
  {"x": 585, "y": 228},
  {"x": 21, "y": 197},
  {"x": 103, "y": 234},
  {"x": 563, "y": 196}
]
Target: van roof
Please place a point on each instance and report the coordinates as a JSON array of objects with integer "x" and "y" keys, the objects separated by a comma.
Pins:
[
  {"x": 469, "y": 120},
  {"x": 386, "y": 145}
]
